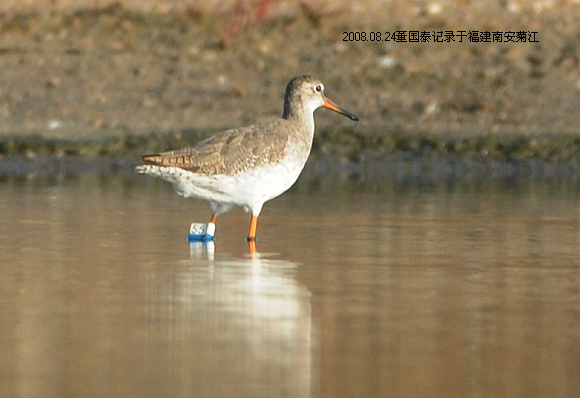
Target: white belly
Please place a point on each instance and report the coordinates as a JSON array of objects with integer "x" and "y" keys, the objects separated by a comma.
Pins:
[{"x": 249, "y": 189}]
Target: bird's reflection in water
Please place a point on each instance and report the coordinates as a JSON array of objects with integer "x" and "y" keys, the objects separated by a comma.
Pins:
[
  {"x": 202, "y": 250},
  {"x": 249, "y": 322}
]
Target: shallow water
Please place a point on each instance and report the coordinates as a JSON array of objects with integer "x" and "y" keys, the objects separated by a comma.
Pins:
[{"x": 391, "y": 291}]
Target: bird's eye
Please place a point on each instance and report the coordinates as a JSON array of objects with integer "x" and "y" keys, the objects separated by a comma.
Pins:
[{"x": 318, "y": 88}]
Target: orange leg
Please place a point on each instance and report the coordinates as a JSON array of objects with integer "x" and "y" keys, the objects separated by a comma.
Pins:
[
  {"x": 253, "y": 227},
  {"x": 213, "y": 218},
  {"x": 252, "y": 247}
]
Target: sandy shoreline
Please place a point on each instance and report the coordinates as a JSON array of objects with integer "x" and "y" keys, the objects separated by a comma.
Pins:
[{"x": 110, "y": 70}]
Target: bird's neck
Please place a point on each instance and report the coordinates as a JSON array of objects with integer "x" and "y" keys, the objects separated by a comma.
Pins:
[
  {"x": 288, "y": 113},
  {"x": 302, "y": 118}
]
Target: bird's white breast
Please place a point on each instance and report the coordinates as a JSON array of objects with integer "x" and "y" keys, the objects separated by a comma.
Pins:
[{"x": 249, "y": 189}]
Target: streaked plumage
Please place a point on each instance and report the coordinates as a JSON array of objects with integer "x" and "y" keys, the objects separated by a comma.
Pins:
[{"x": 247, "y": 166}]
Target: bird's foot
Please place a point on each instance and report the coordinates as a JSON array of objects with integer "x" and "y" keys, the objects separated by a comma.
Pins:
[{"x": 252, "y": 245}]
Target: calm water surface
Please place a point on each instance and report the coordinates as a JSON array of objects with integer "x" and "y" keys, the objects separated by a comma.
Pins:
[{"x": 387, "y": 292}]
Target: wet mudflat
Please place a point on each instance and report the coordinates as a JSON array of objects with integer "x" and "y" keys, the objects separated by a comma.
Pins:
[{"x": 386, "y": 291}]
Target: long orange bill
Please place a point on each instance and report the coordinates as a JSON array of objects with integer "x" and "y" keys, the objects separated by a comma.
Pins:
[{"x": 332, "y": 106}]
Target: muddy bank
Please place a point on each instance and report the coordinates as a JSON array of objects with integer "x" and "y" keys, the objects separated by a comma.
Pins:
[
  {"x": 337, "y": 155},
  {"x": 111, "y": 80},
  {"x": 85, "y": 72},
  {"x": 327, "y": 171}
]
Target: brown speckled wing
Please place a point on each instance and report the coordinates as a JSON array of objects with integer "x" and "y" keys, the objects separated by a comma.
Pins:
[{"x": 231, "y": 151}]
